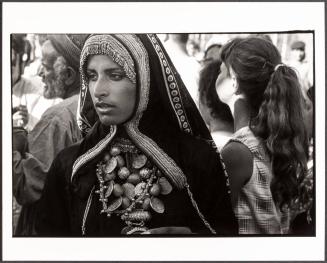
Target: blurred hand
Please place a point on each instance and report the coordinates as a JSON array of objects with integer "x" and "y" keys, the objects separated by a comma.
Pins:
[
  {"x": 169, "y": 230},
  {"x": 19, "y": 140},
  {"x": 20, "y": 116}
]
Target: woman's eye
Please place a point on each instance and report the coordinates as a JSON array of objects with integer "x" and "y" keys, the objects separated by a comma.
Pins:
[
  {"x": 91, "y": 76},
  {"x": 116, "y": 76}
]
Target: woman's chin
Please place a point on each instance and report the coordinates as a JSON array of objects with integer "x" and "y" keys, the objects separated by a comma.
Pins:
[
  {"x": 110, "y": 120},
  {"x": 107, "y": 121}
]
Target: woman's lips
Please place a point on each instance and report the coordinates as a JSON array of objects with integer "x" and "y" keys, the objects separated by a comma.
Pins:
[{"x": 103, "y": 107}]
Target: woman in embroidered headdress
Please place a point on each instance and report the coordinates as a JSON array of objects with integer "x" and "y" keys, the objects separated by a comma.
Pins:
[
  {"x": 147, "y": 163},
  {"x": 267, "y": 156}
]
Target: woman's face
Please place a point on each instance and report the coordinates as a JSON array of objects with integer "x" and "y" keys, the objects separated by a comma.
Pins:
[
  {"x": 113, "y": 94},
  {"x": 225, "y": 84}
]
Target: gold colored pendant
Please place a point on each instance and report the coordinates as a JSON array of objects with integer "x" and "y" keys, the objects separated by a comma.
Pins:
[
  {"x": 110, "y": 176},
  {"x": 120, "y": 161},
  {"x": 165, "y": 186},
  {"x": 134, "y": 178},
  {"x": 139, "y": 161},
  {"x": 145, "y": 173},
  {"x": 146, "y": 203},
  {"x": 129, "y": 190},
  {"x": 118, "y": 190},
  {"x": 155, "y": 190},
  {"x": 110, "y": 166},
  {"x": 115, "y": 204},
  {"x": 114, "y": 151},
  {"x": 109, "y": 189},
  {"x": 123, "y": 173},
  {"x": 157, "y": 205},
  {"x": 139, "y": 188}
]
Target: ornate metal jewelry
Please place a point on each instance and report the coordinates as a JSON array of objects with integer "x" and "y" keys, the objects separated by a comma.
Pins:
[{"x": 130, "y": 186}]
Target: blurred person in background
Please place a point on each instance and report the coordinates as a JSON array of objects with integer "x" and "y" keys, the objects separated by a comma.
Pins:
[
  {"x": 33, "y": 67},
  {"x": 17, "y": 53},
  {"x": 213, "y": 47},
  {"x": 57, "y": 129},
  {"x": 27, "y": 98},
  {"x": 215, "y": 113},
  {"x": 267, "y": 157},
  {"x": 302, "y": 66},
  {"x": 194, "y": 50},
  {"x": 28, "y": 101},
  {"x": 305, "y": 74},
  {"x": 187, "y": 66},
  {"x": 212, "y": 53},
  {"x": 27, "y": 92}
]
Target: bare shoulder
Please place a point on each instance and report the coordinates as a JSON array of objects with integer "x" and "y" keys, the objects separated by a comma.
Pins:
[
  {"x": 237, "y": 153},
  {"x": 238, "y": 160}
]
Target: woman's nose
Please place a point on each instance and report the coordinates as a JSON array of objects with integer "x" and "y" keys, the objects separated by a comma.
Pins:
[{"x": 101, "y": 88}]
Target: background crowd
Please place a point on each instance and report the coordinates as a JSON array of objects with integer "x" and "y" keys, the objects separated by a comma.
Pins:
[{"x": 40, "y": 95}]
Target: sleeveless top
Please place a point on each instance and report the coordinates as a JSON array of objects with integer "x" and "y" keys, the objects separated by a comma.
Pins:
[{"x": 256, "y": 210}]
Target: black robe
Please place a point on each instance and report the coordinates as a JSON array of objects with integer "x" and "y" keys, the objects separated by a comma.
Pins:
[{"x": 63, "y": 202}]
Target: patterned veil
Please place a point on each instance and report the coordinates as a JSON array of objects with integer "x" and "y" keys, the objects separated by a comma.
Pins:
[{"x": 163, "y": 98}]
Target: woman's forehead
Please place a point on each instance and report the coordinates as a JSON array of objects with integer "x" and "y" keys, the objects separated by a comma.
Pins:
[
  {"x": 114, "y": 47},
  {"x": 104, "y": 61}
]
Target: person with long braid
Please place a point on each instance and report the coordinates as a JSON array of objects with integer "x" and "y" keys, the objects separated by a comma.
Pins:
[{"x": 267, "y": 157}]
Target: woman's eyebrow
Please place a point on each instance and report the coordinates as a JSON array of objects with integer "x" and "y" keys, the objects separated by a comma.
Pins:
[
  {"x": 114, "y": 68},
  {"x": 119, "y": 69}
]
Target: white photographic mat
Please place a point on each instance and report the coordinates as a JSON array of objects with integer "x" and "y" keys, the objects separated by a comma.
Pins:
[{"x": 192, "y": 17}]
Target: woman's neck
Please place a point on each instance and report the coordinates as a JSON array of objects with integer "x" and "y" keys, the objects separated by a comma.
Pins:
[
  {"x": 121, "y": 132},
  {"x": 241, "y": 113},
  {"x": 219, "y": 125}
]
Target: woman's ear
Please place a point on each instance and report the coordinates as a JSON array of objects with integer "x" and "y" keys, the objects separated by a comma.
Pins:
[
  {"x": 237, "y": 90},
  {"x": 234, "y": 81},
  {"x": 71, "y": 76},
  {"x": 235, "y": 86}
]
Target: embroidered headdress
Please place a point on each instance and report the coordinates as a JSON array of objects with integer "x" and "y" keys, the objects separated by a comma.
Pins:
[{"x": 144, "y": 60}]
